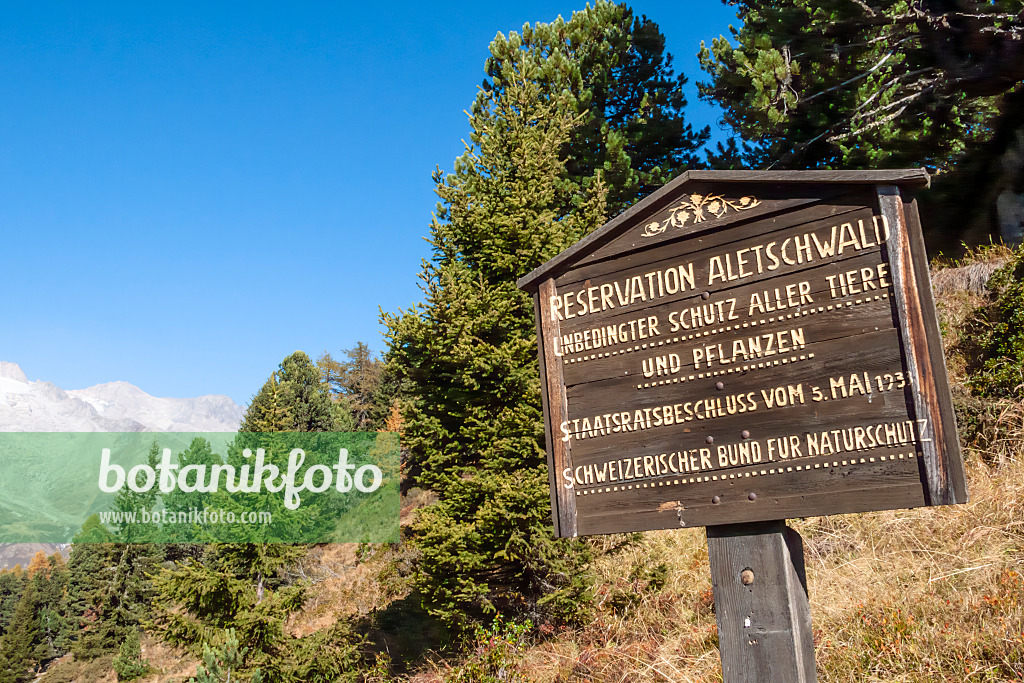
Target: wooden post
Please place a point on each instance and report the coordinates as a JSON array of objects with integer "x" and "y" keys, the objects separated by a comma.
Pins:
[{"x": 760, "y": 590}]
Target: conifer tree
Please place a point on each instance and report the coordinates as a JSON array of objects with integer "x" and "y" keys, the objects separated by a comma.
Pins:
[
  {"x": 552, "y": 136},
  {"x": 292, "y": 399},
  {"x": 360, "y": 380},
  {"x": 109, "y": 591},
  {"x": 633, "y": 126},
  {"x": 129, "y": 663},
  {"x": 198, "y": 603},
  {"x": 865, "y": 83},
  {"x": 220, "y": 663},
  {"x": 130, "y": 501},
  {"x": 21, "y": 649},
  {"x": 267, "y": 411},
  {"x": 11, "y": 585},
  {"x": 230, "y": 603},
  {"x": 469, "y": 352},
  {"x": 356, "y": 385},
  {"x": 883, "y": 83},
  {"x": 51, "y": 578}
]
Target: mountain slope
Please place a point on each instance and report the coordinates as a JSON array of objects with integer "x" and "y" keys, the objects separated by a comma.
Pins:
[{"x": 27, "y": 406}]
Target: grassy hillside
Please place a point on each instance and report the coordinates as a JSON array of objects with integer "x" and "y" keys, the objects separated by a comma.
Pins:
[{"x": 909, "y": 595}]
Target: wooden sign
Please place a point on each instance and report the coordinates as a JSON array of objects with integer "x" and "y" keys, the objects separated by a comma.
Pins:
[{"x": 746, "y": 346}]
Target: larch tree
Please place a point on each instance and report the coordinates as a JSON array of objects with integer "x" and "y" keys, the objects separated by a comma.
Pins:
[{"x": 355, "y": 385}]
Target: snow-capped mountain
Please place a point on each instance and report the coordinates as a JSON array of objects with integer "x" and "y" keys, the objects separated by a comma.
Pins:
[{"x": 113, "y": 407}]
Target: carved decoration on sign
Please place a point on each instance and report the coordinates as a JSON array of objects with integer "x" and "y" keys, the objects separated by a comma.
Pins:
[{"x": 698, "y": 209}]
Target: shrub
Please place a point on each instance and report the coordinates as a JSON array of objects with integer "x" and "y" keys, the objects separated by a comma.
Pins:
[{"x": 129, "y": 663}]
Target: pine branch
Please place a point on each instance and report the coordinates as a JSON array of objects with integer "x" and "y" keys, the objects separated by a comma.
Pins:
[{"x": 847, "y": 82}]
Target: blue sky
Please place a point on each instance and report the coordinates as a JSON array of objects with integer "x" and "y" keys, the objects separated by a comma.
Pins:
[{"x": 191, "y": 191}]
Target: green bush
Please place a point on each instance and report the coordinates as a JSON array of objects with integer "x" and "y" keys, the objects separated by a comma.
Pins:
[
  {"x": 493, "y": 654},
  {"x": 225, "y": 663},
  {"x": 999, "y": 363},
  {"x": 129, "y": 663}
]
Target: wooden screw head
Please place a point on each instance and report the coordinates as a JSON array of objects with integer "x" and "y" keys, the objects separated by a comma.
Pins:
[
  {"x": 719, "y": 385},
  {"x": 705, "y": 295},
  {"x": 716, "y": 499},
  {"x": 751, "y": 496},
  {"x": 745, "y": 434},
  {"x": 746, "y": 577}
]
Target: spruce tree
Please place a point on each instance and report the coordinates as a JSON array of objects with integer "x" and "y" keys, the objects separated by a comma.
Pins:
[
  {"x": 21, "y": 649},
  {"x": 12, "y": 583},
  {"x": 128, "y": 501},
  {"x": 54, "y": 628},
  {"x": 85, "y": 604},
  {"x": 230, "y": 603},
  {"x": 552, "y": 136},
  {"x": 222, "y": 664},
  {"x": 109, "y": 592},
  {"x": 293, "y": 399},
  {"x": 129, "y": 663}
]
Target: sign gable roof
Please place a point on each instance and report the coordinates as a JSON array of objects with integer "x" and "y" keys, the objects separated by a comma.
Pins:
[{"x": 662, "y": 198}]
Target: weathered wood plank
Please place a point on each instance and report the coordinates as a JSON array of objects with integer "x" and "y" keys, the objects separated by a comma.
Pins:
[
  {"x": 712, "y": 274},
  {"x": 769, "y": 338},
  {"x": 564, "y": 503},
  {"x": 872, "y": 353},
  {"x": 544, "y": 380},
  {"x": 761, "y": 605},
  {"x": 842, "y": 501},
  {"x": 817, "y": 272},
  {"x": 813, "y": 292},
  {"x": 781, "y": 478},
  {"x": 766, "y": 432},
  {"x": 665, "y": 195},
  {"x": 818, "y": 218},
  {"x": 770, "y": 202},
  {"x": 951, "y": 458},
  {"x": 840, "y": 485},
  {"x": 904, "y": 177},
  {"x": 915, "y": 347}
]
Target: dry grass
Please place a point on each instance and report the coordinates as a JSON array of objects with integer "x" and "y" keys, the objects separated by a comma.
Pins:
[
  {"x": 909, "y": 595},
  {"x": 927, "y": 594},
  {"x": 168, "y": 665},
  {"x": 341, "y": 587},
  {"x": 932, "y": 594},
  {"x": 970, "y": 273}
]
